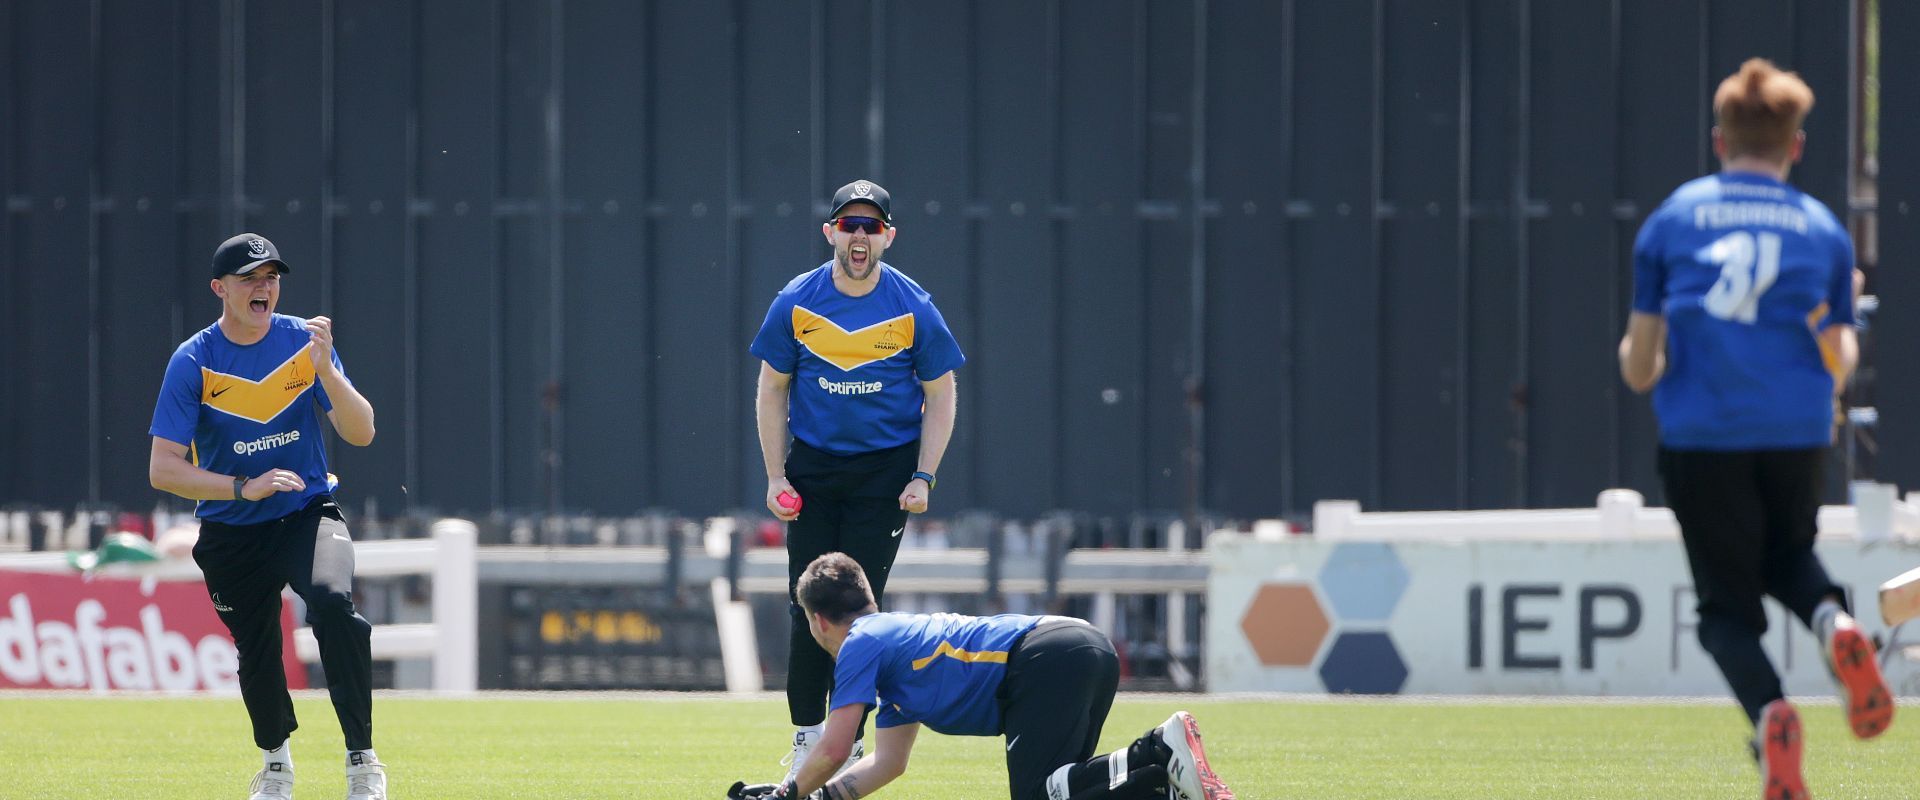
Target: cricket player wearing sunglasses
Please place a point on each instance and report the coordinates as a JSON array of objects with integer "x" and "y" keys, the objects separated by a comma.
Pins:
[{"x": 855, "y": 408}]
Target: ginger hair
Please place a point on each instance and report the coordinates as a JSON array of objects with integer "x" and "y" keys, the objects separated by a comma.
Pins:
[{"x": 1760, "y": 108}]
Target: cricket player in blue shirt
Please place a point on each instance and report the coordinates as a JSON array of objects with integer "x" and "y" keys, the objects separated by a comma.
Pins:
[
  {"x": 1742, "y": 326},
  {"x": 237, "y": 428},
  {"x": 1043, "y": 683}
]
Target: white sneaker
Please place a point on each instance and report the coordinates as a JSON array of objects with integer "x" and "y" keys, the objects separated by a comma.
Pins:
[
  {"x": 803, "y": 743},
  {"x": 367, "y": 781},
  {"x": 273, "y": 782},
  {"x": 1189, "y": 777}
]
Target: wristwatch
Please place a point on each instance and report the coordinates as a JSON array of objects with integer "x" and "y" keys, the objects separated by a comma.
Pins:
[
  {"x": 925, "y": 476},
  {"x": 238, "y": 482}
]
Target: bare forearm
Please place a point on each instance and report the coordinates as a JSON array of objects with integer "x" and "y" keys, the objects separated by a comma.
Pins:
[
  {"x": 865, "y": 777},
  {"x": 936, "y": 430},
  {"x": 1844, "y": 344},
  {"x": 770, "y": 412},
  {"x": 178, "y": 477},
  {"x": 1642, "y": 351},
  {"x": 352, "y": 415}
]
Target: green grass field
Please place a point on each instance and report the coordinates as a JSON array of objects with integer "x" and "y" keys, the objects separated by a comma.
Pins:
[{"x": 656, "y": 746}]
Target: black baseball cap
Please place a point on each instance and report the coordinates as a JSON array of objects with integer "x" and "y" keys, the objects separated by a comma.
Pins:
[
  {"x": 863, "y": 191},
  {"x": 240, "y": 254}
]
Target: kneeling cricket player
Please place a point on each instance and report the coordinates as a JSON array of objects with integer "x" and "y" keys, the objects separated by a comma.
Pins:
[{"x": 1044, "y": 683}]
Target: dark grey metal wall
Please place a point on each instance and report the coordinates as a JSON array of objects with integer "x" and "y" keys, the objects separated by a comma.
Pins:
[{"x": 1234, "y": 254}]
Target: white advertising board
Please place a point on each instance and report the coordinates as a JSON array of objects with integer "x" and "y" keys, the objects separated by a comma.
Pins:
[{"x": 1593, "y": 617}]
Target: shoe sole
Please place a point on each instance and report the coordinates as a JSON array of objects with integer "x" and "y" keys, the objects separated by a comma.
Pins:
[
  {"x": 1868, "y": 701},
  {"x": 1780, "y": 754},
  {"x": 1211, "y": 787}
]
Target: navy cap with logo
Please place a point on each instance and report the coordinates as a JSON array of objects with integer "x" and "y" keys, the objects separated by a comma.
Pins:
[
  {"x": 863, "y": 191},
  {"x": 241, "y": 254}
]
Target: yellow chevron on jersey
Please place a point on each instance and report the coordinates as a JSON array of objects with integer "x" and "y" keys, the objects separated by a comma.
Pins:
[
  {"x": 260, "y": 400},
  {"x": 947, "y": 649},
  {"x": 851, "y": 350}
]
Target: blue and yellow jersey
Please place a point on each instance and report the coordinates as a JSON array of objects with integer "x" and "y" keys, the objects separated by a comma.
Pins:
[
  {"x": 856, "y": 362},
  {"x": 247, "y": 409},
  {"x": 941, "y": 670},
  {"x": 1746, "y": 269}
]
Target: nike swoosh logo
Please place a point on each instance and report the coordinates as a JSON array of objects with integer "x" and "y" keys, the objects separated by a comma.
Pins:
[
  {"x": 221, "y": 391},
  {"x": 809, "y": 330},
  {"x": 896, "y": 534},
  {"x": 1011, "y": 742}
]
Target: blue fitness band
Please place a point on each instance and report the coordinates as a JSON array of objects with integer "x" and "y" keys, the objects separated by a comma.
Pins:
[{"x": 925, "y": 476}]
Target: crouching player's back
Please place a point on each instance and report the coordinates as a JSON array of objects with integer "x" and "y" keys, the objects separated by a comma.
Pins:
[{"x": 1044, "y": 683}]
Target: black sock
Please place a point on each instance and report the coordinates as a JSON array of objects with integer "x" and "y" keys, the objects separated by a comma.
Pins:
[
  {"x": 1143, "y": 783},
  {"x": 1146, "y": 751}
]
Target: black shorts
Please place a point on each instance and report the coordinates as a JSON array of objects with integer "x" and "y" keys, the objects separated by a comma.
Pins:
[
  {"x": 1748, "y": 520},
  {"x": 1061, "y": 677}
]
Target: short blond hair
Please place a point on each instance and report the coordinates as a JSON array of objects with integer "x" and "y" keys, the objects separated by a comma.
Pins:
[{"x": 1760, "y": 108}]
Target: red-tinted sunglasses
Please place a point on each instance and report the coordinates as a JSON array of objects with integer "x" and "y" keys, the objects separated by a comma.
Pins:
[{"x": 867, "y": 225}]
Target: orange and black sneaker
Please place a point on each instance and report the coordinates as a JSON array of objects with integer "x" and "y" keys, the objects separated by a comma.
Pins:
[
  {"x": 1778, "y": 741},
  {"x": 1863, "y": 690},
  {"x": 1188, "y": 774}
]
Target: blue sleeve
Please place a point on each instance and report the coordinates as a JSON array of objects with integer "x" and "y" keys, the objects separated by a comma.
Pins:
[
  {"x": 775, "y": 343},
  {"x": 1840, "y": 284},
  {"x": 320, "y": 389},
  {"x": 856, "y": 672},
  {"x": 1649, "y": 265},
  {"x": 890, "y": 717},
  {"x": 935, "y": 352},
  {"x": 177, "y": 413}
]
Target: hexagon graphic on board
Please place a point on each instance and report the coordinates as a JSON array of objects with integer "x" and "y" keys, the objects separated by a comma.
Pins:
[
  {"x": 1285, "y": 624},
  {"x": 1363, "y": 581},
  {"x": 1363, "y": 663}
]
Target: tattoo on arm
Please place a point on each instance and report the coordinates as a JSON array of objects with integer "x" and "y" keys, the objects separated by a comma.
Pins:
[{"x": 844, "y": 788}]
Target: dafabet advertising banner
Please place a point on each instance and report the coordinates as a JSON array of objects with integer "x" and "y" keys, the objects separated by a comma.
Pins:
[{"x": 64, "y": 631}]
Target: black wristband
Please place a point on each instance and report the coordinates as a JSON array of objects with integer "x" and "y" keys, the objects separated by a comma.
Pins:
[
  {"x": 925, "y": 476},
  {"x": 238, "y": 482}
]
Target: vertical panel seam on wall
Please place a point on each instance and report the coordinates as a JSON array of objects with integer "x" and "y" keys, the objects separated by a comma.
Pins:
[
  {"x": 1142, "y": 416},
  {"x": 877, "y": 90},
  {"x": 496, "y": 273},
  {"x": 328, "y": 157},
  {"x": 731, "y": 458},
  {"x": 1197, "y": 274},
  {"x": 1289, "y": 74},
  {"x": 328, "y": 166},
  {"x": 1056, "y": 242},
  {"x": 11, "y": 455},
  {"x": 1702, "y": 103},
  {"x": 650, "y": 461},
  {"x": 816, "y": 110},
  {"x": 1463, "y": 262},
  {"x": 233, "y": 210},
  {"x": 970, "y": 196},
  {"x": 556, "y": 254},
  {"x": 1376, "y": 233},
  {"x": 1523, "y": 321},
  {"x": 410, "y": 261},
  {"x": 95, "y": 208},
  {"x": 1621, "y": 401}
]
